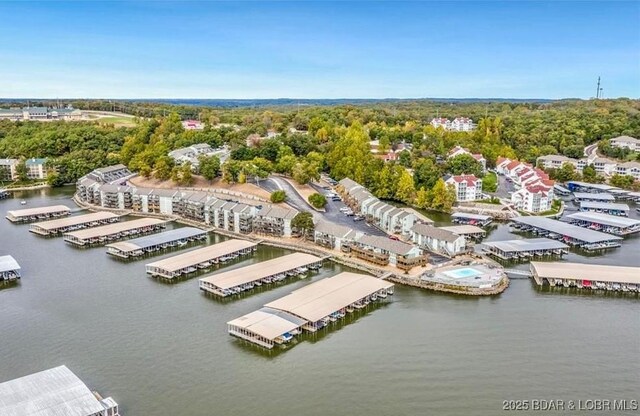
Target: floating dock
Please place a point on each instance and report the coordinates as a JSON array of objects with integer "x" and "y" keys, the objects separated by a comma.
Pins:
[
  {"x": 9, "y": 269},
  {"x": 605, "y": 208},
  {"x": 78, "y": 222},
  {"x": 526, "y": 249},
  {"x": 114, "y": 232},
  {"x": 567, "y": 233},
  {"x": 470, "y": 232},
  {"x": 471, "y": 219},
  {"x": 246, "y": 278},
  {"x": 310, "y": 308},
  {"x": 137, "y": 247},
  {"x": 587, "y": 276},
  {"x": 38, "y": 214},
  {"x": 611, "y": 224},
  {"x": 201, "y": 258},
  {"x": 593, "y": 197}
]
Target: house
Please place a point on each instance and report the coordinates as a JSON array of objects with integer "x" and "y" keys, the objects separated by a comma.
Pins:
[
  {"x": 384, "y": 251},
  {"x": 335, "y": 236},
  {"x": 441, "y": 122},
  {"x": 462, "y": 124},
  {"x": 438, "y": 240},
  {"x": 627, "y": 142},
  {"x": 36, "y": 168},
  {"x": 554, "y": 161},
  {"x": 629, "y": 168},
  {"x": 192, "y": 153},
  {"x": 8, "y": 169},
  {"x": 604, "y": 166},
  {"x": 533, "y": 198},
  {"x": 193, "y": 125},
  {"x": 468, "y": 187},
  {"x": 458, "y": 150}
]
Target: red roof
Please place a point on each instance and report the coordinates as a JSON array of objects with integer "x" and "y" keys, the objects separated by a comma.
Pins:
[
  {"x": 469, "y": 179},
  {"x": 513, "y": 164},
  {"x": 477, "y": 156}
]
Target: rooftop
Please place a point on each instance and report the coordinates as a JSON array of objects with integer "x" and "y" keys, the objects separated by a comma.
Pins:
[
  {"x": 471, "y": 216},
  {"x": 603, "y": 273},
  {"x": 156, "y": 239},
  {"x": 435, "y": 232},
  {"x": 114, "y": 228},
  {"x": 8, "y": 263},
  {"x": 200, "y": 255},
  {"x": 604, "y": 219},
  {"x": 385, "y": 243},
  {"x": 268, "y": 323},
  {"x": 464, "y": 229},
  {"x": 601, "y": 196},
  {"x": 38, "y": 211},
  {"x": 527, "y": 245},
  {"x": 604, "y": 205},
  {"x": 75, "y": 220},
  {"x": 558, "y": 227}
]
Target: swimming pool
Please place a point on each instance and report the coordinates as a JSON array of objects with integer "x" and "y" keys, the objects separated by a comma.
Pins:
[{"x": 463, "y": 273}]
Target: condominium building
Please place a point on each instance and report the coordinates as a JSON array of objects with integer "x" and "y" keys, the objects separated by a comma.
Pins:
[
  {"x": 468, "y": 187},
  {"x": 627, "y": 142}
]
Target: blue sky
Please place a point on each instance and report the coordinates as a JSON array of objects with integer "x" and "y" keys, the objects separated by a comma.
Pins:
[{"x": 319, "y": 50}]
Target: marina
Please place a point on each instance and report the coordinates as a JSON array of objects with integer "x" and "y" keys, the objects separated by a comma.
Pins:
[
  {"x": 9, "y": 269},
  {"x": 579, "y": 186},
  {"x": 37, "y": 214},
  {"x": 78, "y": 222},
  {"x": 137, "y": 247},
  {"x": 587, "y": 276},
  {"x": 471, "y": 219},
  {"x": 113, "y": 232},
  {"x": 525, "y": 249},
  {"x": 611, "y": 224},
  {"x": 593, "y": 197},
  {"x": 470, "y": 232},
  {"x": 272, "y": 271},
  {"x": 605, "y": 208},
  {"x": 202, "y": 258},
  {"x": 309, "y": 308}
]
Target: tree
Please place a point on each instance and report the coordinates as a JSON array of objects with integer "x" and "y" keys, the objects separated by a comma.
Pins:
[
  {"x": 303, "y": 223},
  {"x": 317, "y": 200},
  {"x": 423, "y": 198},
  {"x": 405, "y": 189},
  {"x": 589, "y": 174},
  {"x": 186, "y": 178},
  {"x": 566, "y": 173},
  {"x": 163, "y": 168},
  {"x": 278, "y": 196},
  {"x": 622, "y": 181},
  {"x": 490, "y": 182},
  {"x": 21, "y": 171},
  {"x": 443, "y": 196},
  {"x": 464, "y": 164},
  {"x": 209, "y": 166},
  {"x": 426, "y": 173}
]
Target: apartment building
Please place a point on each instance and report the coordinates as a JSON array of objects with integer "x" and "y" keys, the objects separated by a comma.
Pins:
[{"x": 468, "y": 187}]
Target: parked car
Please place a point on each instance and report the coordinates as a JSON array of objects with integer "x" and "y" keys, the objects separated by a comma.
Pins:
[
  {"x": 393, "y": 237},
  {"x": 358, "y": 218}
]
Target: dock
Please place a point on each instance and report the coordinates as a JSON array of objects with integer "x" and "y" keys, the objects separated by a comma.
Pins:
[
  {"x": 593, "y": 197},
  {"x": 141, "y": 246},
  {"x": 38, "y": 214},
  {"x": 202, "y": 258},
  {"x": 114, "y": 232},
  {"x": 271, "y": 271},
  {"x": 525, "y": 249},
  {"x": 469, "y": 232},
  {"x": 9, "y": 269},
  {"x": 605, "y": 208},
  {"x": 561, "y": 190},
  {"x": 471, "y": 219},
  {"x": 587, "y": 276},
  {"x": 78, "y": 222},
  {"x": 611, "y": 224},
  {"x": 578, "y": 186},
  {"x": 310, "y": 308},
  {"x": 567, "y": 233}
]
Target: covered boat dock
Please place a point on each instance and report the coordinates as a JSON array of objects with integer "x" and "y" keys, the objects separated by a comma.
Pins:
[
  {"x": 579, "y": 186},
  {"x": 78, "y": 222},
  {"x": 201, "y": 258},
  {"x": 526, "y": 249},
  {"x": 137, "y": 247},
  {"x": 561, "y": 190},
  {"x": 9, "y": 269},
  {"x": 606, "y": 208},
  {"x": 567, "y": 233},
  {"x": 38, "y": 214},
  {"x": 587, "y": 276},
  {"x": 611, "y": 224},
  {"x": 593, "y": 197},
  {"x": 469, "y": 232},
  {"x": 471, "y": 219},
  {"x": 246, "y": 278},
  {"x": 266, "y": 327},
  {"x": 113, "y": 232}
]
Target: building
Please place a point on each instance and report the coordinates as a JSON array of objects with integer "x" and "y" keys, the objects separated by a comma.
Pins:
[
  {"x": 457, "y": 151},
  {"x": 554, "y": 161},
  {"x": 444, "y": 123},
  {"x": 8, "y": 169},
  {"x": 192, "y": 153},
  {"x": 384, "y": 251},
  {"x": 53, "y": 392},
  {"x": 468, "y": 187},
  {"x": 438, "y": 240},
  {"x": 192, "y": 125},
  {"x": 533, "y": 198},
  {"x": 629, "y": 168},
  {"x": 335, "y": 236},
  {"x": 40, "y": 114},
  {"x": 274, "y": 220},
  {"x": 458, "y": 124},
  {"x": 604, "y": 166},
  {"x": 627, "y": 142}
]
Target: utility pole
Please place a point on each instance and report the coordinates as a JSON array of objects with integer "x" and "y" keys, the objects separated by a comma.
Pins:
[{"x": 598, "y": 89}]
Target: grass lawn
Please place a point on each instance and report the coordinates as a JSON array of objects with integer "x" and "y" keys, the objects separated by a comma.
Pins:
[{"x": 117, "y": 121}]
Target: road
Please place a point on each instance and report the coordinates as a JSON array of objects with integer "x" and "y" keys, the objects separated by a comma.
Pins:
[{"x": 591, "y": 151}]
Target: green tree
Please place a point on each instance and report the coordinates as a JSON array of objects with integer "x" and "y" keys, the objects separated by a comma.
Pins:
[
  {"x": 426, "y": 173},
  {"x": 490, "y": 182},
  {"x": 567, "y": 172},
  {"x": 303, "y": 224},
  {"x": 464, "y": 164},
  {"x": 163, "y": 168},
  {"x": 317, "y": 200},
  {"x": 589, "y": 174},
  {"x": 209, "y": 166},
  {"x": 423, "y": 198},
  {"x": 443, "y": 196},
  {"x": 21, "y": 171},
  {"x": 278, "y": 196},
  {"x": 405, "y": 190},
  {"x": 622, "y": 181}
]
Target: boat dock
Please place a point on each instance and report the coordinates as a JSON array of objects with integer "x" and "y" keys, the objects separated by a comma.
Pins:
[
  {"x": 78, "y": 222},
  {"x": 525, "y": 249},
  {"x": 567, "y": 233},
  {"x": 561, "y": 190},
  {"x": 471, "y": 219},
  {"x": 469, "y": 232},
  {"x": 246, "y": 278},
  {"x": 587, "y": 276},
  {"x": 591, "y": 197},
  {"x": 141, "y": 246},
  {"x": 113, "y": 232},
  {"x": 605, "y": 208},
  {"x": 201, "y": 258},
  {"x": 309, "y": 308},
  {"x": 578, "y": 186},
  {"x": 611, "y": 224},
  {"x": 37, "y": 214},
  {"x": 9, "y": 269}
]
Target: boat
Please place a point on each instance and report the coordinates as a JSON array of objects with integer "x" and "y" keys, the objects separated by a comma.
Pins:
[{"x": 23, "y": 202}]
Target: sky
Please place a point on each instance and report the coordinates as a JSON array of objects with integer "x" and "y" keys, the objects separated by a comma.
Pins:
[{"x": 286, "y": 49}]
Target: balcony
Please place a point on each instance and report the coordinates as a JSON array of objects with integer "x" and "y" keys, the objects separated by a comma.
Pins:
[{"x": 381, "y": 259}]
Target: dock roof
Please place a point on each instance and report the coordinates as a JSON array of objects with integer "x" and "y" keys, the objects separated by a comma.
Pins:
[
  {"x": 53, "y": 392},
  {"x": 8, "y": 263},
  {"x": 156, "y": 239},
  {"x": 558, "y": 227},
  {"x": 200, "y": 255},
  {"x": 268, "y": 323},
  {"x": 600, "y": 196},
  {"x": 604, "y": 219},
  {"x": 257, "y": 271},
  {"x": 114, "y": 228},
  {"x": 471, "y": 216},
  {"x": 530, "y": 244},
  {"x": 464, "y": 229},
  {"x": 75, "y": 220},
  {"x": 385, "y": 243},
  {"x": 600, "y": 272},
  {"x": 38, "y": 211},
  {"x": 604, "y": 205},
  {"x": 320, "y": 299}
]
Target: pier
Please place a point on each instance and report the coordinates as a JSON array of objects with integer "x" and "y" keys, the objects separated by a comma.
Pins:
[
  {"x": 114, "y": 232},
  {"x": 469, "y": 232},
  {"x": 578, "y": 186},
  {"x": 567, "y": 233},
  {"x": 78, "y": 222},
  {"x": 605, "y": 208},
  {"x": 611, "y": 224},
  {"x": 471, "y": 219},
  {"x": 593, "y": 197},
  {"x": 310, "y": 308},
  {"x": 37, "y": 214},
  {"x": 271, "y": 271},
  {"x": 587, "y": 276},
  {"x": 202, "y": 258},
  {"x": 525, "y": 249},
  {"x": 9, "y": 269},
  {"x": 141, "y": 246}
]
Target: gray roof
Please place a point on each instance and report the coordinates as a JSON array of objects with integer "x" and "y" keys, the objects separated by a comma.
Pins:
[
  {"x": 604, "y": 205},
  {"x": 435, "y": 232},
  {"x": 272, "y": 211},
  {"x": 604, "y": 219},
  {"x": 53, "y": 392},
  {"x": 336, "y": 230},
  {"x": 471, "y": 216},
  {"x": 385, "y": 243},
  {"x": 162, "y": 238},
  {"x": 627, "y": 139},
  {"x": 8, "y": 162},
  {"x": 531, "y": 244},
  {"x": 598, "y": 186},
  {"x": 600, "y": 196},
  {"x": 348, "y": 184},
  {"x": 8, "y": 263},
  {"x": 111, "y": 168},
  {"x": 572, "y": 231}
]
